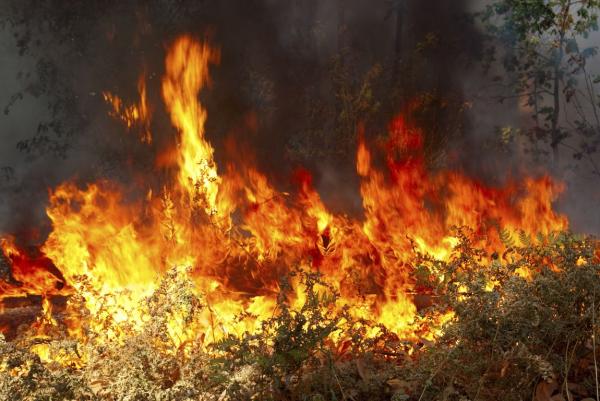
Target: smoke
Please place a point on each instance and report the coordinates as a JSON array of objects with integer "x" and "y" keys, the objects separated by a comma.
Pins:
[
  {"x": 276, "y": 74},
  {"x": 487, "y": 116}
]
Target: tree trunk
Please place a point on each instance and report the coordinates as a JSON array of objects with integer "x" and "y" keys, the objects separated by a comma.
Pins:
[
  {"x": 398, "y": 44},
  {"x": 556, "y": 135},
  {"x": 556, "y": 112},
  {"x": 341, "y": 55},
  {"x": 341, "y": 27}
]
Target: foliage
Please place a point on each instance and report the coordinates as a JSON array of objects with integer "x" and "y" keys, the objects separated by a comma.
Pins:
[
  {"x": 291, "y": 357},
  {"x": 533, "y": 332},
  {"x": 546, "y": 69},
  {"x": 333, "y": 124},
  {"x": 524, "y": 323}
]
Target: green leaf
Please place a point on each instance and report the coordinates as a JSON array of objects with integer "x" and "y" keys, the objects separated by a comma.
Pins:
[
  {"x": 589, "y": 52},
  {"x": 572, "y": 47}
]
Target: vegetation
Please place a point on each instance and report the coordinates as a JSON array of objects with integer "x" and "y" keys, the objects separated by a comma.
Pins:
[
  {"x": 545, "y": 60},
  {"x": 522, "y": 322},
  {"x": 524, "y": 326},
  {"x": 524, "y": 336}
]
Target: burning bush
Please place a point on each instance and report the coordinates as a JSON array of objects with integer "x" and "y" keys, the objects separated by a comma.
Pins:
[
  {"x": 215, "y": 285},
  {"x": 510, "y": 335}
]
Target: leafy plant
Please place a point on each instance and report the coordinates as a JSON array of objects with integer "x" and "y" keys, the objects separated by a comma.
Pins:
[
  {"x": 522, "y": 322},
  {"x": 539, "y": 47},
  {"x": 525, "y": 322}
]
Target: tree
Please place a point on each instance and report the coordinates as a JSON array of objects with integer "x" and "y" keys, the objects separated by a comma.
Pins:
[
  {"x": 546, "y": 68},
  {"x": 397, "y": 9}
]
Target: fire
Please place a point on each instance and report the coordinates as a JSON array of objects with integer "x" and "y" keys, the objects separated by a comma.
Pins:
[
  {"x": 114, "y": 252},
  {"x": 135, "y": 115},
  {"x": 29, "y": 274},
  {"x": 186, "y": 73}
]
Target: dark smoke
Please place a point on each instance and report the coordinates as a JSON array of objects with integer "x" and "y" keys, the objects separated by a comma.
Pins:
[{"x": 274, "y": 91}]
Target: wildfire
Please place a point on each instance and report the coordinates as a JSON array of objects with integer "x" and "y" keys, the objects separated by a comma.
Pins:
[
  {"x": 28, "y": 274},
  {"x": 135, "y": 115},
  {"x": 113, "y": 252}
]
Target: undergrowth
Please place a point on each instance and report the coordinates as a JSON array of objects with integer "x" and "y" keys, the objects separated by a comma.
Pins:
[{"x": 523, "y": 328}]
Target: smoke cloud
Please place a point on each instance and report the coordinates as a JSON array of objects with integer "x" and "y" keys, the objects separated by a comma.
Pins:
[{"x": 278, "y": 60}]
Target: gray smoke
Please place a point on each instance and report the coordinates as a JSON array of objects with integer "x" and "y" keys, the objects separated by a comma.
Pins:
[{"x": 275, "y": 56}]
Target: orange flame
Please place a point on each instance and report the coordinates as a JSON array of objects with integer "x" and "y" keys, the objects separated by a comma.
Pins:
[
  {"x": 29, "y": 274},
  {"x": 186, "y": 73},
  {"x": 135, "y": 115},
  {"x": 107, "y": 246}
]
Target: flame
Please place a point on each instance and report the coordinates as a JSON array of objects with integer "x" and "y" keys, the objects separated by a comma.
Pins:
[
  {"x": 235, "y": 235},
  {"x": 134, "y": 115},
  {"x": 29, "y": 274},
  {"x": 186, "y": 73}
]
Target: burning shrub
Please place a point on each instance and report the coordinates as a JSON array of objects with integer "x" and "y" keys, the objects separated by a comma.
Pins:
[
  {"x": 290, "y": 347},
  {"x": 515, "y": 334},
  {"x": 23, "y": 376},
  {"x": 177, "y": 295},
  {"x": 522, "y": 322},
  {"x": 295, "y": 355}
]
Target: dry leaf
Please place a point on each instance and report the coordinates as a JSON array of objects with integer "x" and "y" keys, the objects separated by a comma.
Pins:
[
  {"x": 360, "y": 367},
  {"x": 98, "y": 385},
  {"x": 544, "y": 390},
  {"x": 578, "y": 389},
  {"x": 504, "y": 368},
  {"x": 396, "y": 384},
  {"x": 399, "y": 384},
  {"x": 343, "y": 348}
]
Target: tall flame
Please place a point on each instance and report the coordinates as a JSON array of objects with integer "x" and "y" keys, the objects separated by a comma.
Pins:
[
  {"x": 186, "y": 73},
  {"x": 107, "y": 246}
]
